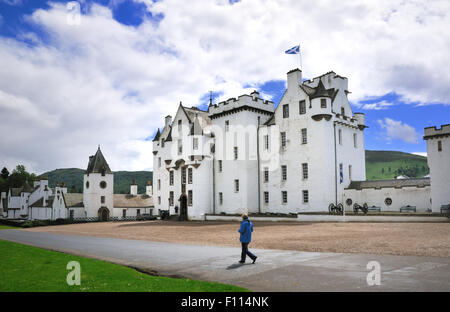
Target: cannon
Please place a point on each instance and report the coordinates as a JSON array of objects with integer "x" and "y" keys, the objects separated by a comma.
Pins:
[
  {"x": 364, "y": 208},
  {"x": 335, "y": 209}
]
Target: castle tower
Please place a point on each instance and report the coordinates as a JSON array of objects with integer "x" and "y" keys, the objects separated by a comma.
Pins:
[{"x": 98, "y": 188}]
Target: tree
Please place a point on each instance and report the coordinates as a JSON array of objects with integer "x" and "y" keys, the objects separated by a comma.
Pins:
[
  {"x": 20, "y": 176},
  {"x": 5, "y": 173}
]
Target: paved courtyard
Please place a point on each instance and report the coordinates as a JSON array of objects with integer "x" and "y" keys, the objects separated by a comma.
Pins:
[
  {"x": 414, "y": 239},
  {"x": 275, "y": 270}
]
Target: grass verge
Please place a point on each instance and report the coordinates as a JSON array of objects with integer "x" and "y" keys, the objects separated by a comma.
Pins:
[
  {"x": 25, "y": 268},
  {"x": 7, "y": 227}
]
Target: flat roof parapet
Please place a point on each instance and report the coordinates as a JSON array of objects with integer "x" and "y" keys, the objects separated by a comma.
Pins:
[{"x": 431, "y": 132}]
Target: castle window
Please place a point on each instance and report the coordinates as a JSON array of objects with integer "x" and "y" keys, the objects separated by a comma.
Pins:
[
  {"x": 180, "y": 147},
  {"x": 266, "y": 174},
  {"x": 355, "y": 142},
  {"x": 286, "y": 111},
  {"x": 159, "y": 184},
  {"x": 171, "y": 178},
  {"x": 102, "y": 199},
  {"x": 190, "y": 175},
  {"x": 183, "y": 175},
  {"x": 340, "y": 136},
  {"x": 283, "y": 139},
  {"x": 103, "y": 172},
  {"x": 159, "y": 200},
  {"x": 220, "y": 198},
  {"x": 179, "y": 125},
  {"x": 305, "y": 171},
  {"x": 236, "y": 153},
  {"x": 266, "y": 197},
  {"x": 302, "y": 107},
  {"x": 439, "y": 143},
  {"x": 266, "y": 142},
  {"x": 342, "y": 111},
  {"x": 103, "y": 184},
  {"x": 87, "y": 184},
  {"x": 190, "y": 199},
  {"x": 284, "y": 197},
  {"x": 159, "y": 162},
  {"x": 171, "y": 198},
  {"x": 304, "y": 136},
  {"x": 350, "y": 172},
  {"x": 305, "y": 197},
  {"x": 220, "y": 165},
  {"x": 227, "y": 125},
  {"x": 236, "y": 185},
  {"x": 195, "y": 143},
  {"x": 323, "y": 103},
  {"x": 162, "y": 143},
  {"x": 284, "y": 173}
]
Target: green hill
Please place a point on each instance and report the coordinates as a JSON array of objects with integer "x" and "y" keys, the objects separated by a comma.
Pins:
[
  {"x": 389, "y": 164},
  {"x": 379, "y": 165},
  {"x": 73, "y": 178}
]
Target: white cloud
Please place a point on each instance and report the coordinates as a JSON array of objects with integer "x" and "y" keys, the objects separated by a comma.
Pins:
[
  {"x": 376, "y": 106},
  {"x": 395, "y": 129},
  {"x": 104, "y": 82},
  {"x": 12, "y": 2}
]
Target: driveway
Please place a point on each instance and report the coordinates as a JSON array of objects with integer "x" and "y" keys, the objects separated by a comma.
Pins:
[{"x": 275, "y": 270}]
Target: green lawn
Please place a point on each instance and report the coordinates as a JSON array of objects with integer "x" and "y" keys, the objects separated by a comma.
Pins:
[
  {"x": 5, "y": 227},
  {"x": 26, "y": 268}
]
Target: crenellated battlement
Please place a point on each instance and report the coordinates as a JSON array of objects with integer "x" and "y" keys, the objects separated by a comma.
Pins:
[
  {"x": 249, "y": 100},
  {"x": 330, "y": 80},
  {"x": 435, "y": 132}
]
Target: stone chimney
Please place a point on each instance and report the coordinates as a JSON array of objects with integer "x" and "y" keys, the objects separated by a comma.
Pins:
[
  {"x": 168, "y": 120},
  {"x": 133, "y": 188},
  {"x": 294, "y": 78},
  {"x": 149, "y": 189},
  {"x": 255, "y": 95}
]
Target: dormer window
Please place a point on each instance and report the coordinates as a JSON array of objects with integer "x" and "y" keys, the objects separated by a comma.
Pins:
[
  {"x": 103, "y": 172},
  {"x": 342, "y": 111},
  {"x": 323, "y": 103}
]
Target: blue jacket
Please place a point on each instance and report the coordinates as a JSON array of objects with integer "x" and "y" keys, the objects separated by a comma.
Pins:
[{"x": 246, "y": 230}]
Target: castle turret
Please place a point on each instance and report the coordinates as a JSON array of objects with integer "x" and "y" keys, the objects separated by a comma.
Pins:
[{"x": 98, "y": 188}]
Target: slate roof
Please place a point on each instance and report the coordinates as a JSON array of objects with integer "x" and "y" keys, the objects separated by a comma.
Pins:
[
  {"x": 322, "y": 92},
  {"x": 40, "y": 202},
  {"x": 73, "y": 200},
  {"x": 97, "y": 163},
  {"x": 157, "y": 135},
  {"x": 129, "y": 201},
  {"x": 397, "y": 183},
  {"x": 15, "y": 191}
]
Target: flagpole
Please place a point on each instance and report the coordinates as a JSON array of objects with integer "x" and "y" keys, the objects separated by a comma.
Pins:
[{"x": 300, "y": 57}]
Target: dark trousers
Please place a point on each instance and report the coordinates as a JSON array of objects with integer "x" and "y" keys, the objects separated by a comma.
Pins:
[{"x": 245, "y": 252}]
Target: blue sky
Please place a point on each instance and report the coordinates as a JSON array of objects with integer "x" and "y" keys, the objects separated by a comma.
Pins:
[{"x": 113, "y": 78}]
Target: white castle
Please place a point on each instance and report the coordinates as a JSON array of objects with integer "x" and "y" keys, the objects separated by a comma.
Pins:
[{"x": 243, "y": 155}]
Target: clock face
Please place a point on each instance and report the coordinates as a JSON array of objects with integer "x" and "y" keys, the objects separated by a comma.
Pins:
[
  {"x": 87, "y": 184},
  {"x": 103, "y": 184}
]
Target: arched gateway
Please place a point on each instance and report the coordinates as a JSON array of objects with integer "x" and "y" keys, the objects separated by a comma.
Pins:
[{"x": 103, "y": 214}]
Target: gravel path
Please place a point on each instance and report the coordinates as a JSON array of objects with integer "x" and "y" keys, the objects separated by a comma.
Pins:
[{"x": 415, "y": 239}]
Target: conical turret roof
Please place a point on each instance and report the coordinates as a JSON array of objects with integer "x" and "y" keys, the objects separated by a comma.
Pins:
[{"x": 97, "y": 163}]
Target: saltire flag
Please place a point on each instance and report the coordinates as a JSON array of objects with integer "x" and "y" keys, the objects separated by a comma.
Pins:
[
  {"x": 341, "y": 174},
  {"x": 293, "y": 50}
]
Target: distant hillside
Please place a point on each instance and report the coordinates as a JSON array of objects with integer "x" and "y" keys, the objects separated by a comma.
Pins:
[
  {"x": 389, "y": 164},
  {"x": 379, "y": 165},
  {"x": 73, "y": 178}
]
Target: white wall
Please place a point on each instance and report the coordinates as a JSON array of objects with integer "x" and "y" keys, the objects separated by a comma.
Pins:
[
  {"x": 439, "y": 161},
  {"x": 413, "y": 196}
]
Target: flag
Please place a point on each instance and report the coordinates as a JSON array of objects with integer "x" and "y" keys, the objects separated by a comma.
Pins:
[{"x": 294, "y": 50}]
